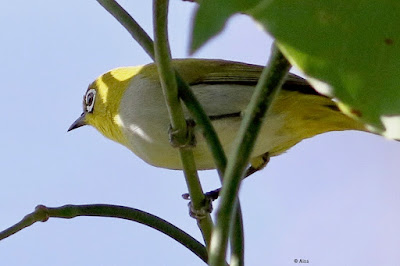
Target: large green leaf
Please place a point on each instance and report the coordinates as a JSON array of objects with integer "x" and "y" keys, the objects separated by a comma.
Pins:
[{"x": 349, "y": 49}]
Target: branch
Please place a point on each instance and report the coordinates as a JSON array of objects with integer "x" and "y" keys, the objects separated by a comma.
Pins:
[
  {"x": 237, "y": 238},
  {"x": 43, "y": 213},
  {"x": 129, "y": 24},
  {"x": 179, "y": 129},
  {"x": 267, "y": 88}
]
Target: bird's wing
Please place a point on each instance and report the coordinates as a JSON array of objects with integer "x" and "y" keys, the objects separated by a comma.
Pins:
[
  {"x": 219, "y": 75},
  {"x": 209, "y": 71}
]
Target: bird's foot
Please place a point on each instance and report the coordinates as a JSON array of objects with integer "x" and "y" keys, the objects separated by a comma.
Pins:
[
  {"x": 179, "y": 142},
  {"x": 201, "y": 213}
]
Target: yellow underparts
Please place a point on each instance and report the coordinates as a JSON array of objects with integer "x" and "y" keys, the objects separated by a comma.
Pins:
[{"x": 309, "y": 115}]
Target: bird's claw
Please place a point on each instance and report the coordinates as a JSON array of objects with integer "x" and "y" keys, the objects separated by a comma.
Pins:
[
  {"x": 201, "y": 213},
  {"x": 188, "y": 141}
]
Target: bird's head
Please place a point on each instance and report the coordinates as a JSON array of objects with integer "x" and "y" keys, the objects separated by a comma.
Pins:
[{"x": 101, "y": 103}]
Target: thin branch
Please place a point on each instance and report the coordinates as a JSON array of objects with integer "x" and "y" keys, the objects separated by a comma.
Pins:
[
  {"x": 220, "y": 160},
  {"x": 186, "y": 94},
  {"x": 179, "y": 129},
  {"x": 166, "y": 72},
  {"x": 169, "y": 84},
  {"x": 129, "y": 24},
  {"x": 237, "y": 239},
  {"x": 43, "y": 213},
  {"x": 197, "y": 197},
  {"x": 267, "y": 88}
]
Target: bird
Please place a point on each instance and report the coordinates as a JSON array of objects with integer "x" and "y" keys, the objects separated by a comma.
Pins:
[{"x": 127, "y": 106}]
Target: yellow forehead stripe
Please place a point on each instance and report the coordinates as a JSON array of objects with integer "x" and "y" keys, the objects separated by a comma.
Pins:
[
  {"x": 112, "y": 84},
  {"x": 110, "y": 89}
]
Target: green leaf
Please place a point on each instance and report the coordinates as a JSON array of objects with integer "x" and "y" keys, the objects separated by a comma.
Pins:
[
  {"x": 349, "y": 49},
  {"x": 353, "y": 46}
]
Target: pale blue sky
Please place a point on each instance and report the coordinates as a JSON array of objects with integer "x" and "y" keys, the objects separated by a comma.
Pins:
[{"x": 333, "y": 200}]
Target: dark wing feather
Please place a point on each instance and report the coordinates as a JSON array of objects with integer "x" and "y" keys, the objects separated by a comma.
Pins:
[{"x": 206, "y": 71}]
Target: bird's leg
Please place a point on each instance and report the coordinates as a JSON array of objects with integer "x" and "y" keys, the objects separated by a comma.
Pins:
[
  {"x": 190, "y": 137},
  {"x": 256, "y": 165}
]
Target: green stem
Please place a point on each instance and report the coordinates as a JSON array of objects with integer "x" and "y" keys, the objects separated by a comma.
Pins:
[
  {"x": 267, "y": 88},
  {"x": 43, "y": 213},
  {"x": 129, "y": 24},
  {"x": 166, "y": 73},
  {"x": 237, "y": 239},
  {"x": 178, "y": 122},
  {"x": 220, "y": 160},
  {"x": 196, "y": 194},
  {"x": 186, "y": 94}
]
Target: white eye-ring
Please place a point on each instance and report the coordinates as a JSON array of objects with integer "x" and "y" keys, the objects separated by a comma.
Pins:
[{"x": 90, "y": 97}]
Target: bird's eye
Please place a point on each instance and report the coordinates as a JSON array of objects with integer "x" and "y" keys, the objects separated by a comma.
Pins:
[{"x": 89, "y": 100}]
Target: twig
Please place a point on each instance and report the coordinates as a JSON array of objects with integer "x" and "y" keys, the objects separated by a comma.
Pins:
[
  {"x": 129, "y": 24},
  {"x": 43, "y": 213},
  {"x": 178, "y": 122},
  {"x": 268, "y": 86}
]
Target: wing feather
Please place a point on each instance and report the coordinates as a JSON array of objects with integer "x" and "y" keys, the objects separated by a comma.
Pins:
[{"x": 208, "y": 71}]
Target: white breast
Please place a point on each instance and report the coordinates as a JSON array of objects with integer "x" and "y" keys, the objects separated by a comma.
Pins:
[{"x": 145, "y": 122}]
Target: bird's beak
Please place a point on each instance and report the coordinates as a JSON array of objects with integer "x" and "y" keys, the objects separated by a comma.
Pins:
[{"x": 78, "y": 122}]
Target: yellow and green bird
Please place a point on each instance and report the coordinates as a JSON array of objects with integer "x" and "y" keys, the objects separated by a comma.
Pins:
[{"x": 127, "y": 105}]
